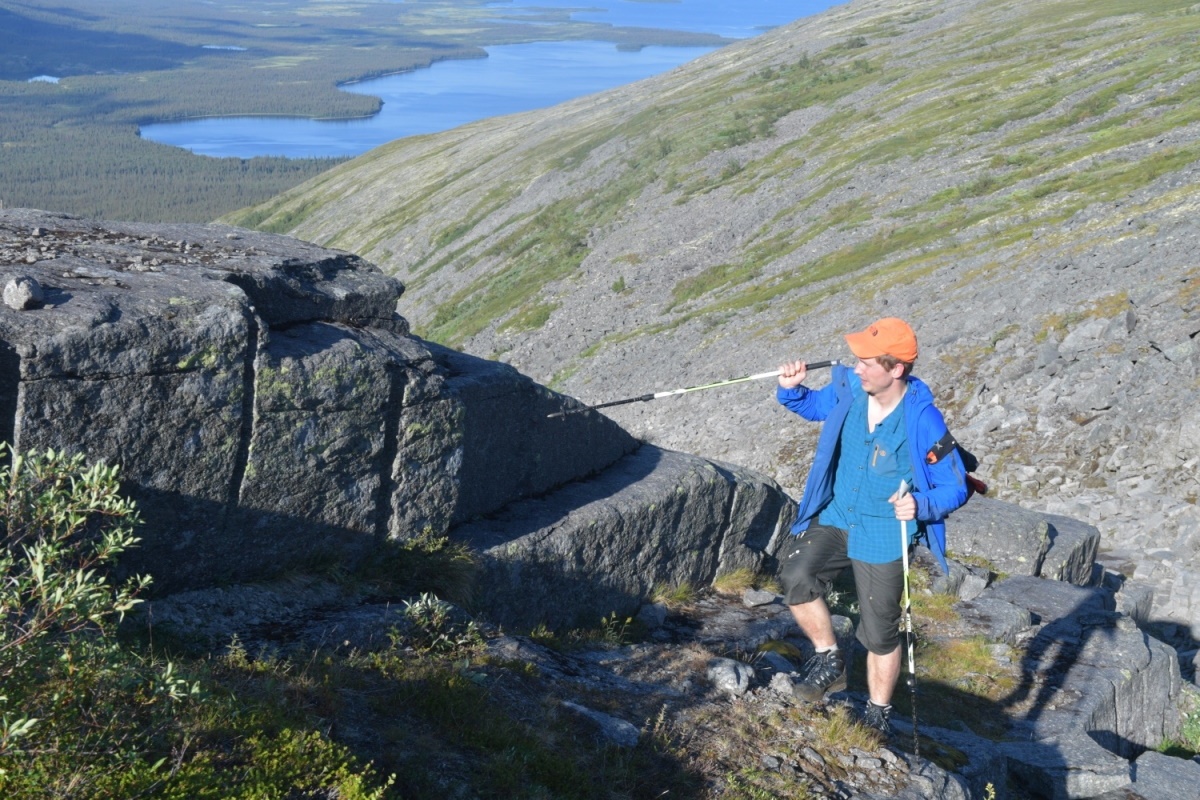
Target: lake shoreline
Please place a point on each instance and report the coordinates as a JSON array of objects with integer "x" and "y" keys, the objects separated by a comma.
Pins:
[
  {"x": 533, "y": 68},
  {"x": 452, "y": 95}
]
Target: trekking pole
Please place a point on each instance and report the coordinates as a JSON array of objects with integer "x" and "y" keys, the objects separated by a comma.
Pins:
[
  {"x": 906, "y": 602},
  {"x": 646, "y": 397}
]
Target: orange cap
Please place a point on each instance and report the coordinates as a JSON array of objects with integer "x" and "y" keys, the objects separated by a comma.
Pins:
[{"x": 888, "y": 336}]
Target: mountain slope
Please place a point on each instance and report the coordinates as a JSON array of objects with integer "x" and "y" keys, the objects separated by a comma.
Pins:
[{"x": 1018, "y": 179}]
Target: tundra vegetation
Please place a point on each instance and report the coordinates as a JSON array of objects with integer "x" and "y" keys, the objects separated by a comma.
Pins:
[{"x": 73, "y": 145}]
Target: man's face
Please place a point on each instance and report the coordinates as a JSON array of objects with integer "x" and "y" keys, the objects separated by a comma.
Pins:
[{"x": 874, "y": 377}]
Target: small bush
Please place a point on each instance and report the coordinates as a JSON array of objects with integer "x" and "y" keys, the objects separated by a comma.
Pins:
[
  {"x": 432, "y": 628},
  {"x": 60, "y": 523}
]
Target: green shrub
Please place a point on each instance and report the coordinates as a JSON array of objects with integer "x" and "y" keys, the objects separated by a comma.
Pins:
[
  {"x": 60, "y": 524},
  {"x": 83, "y": 715},
  {"x": 432, "y": 628}
]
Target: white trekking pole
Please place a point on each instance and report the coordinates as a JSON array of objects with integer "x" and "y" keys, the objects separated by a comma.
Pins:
[
  {"x": 906, "y": 603},
  {"x": 642, "y": 398}
]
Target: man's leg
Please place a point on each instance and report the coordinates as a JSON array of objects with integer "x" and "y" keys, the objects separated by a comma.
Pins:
[
  {"x": 816, "y": 622},
  {"x": 810, "y": 563},
  {"x": 879, "y": 589},
  {"x": 882, "y": 674}
]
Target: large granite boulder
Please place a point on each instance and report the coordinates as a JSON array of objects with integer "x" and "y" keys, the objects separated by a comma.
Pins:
[{"x": 267, "y": 406}]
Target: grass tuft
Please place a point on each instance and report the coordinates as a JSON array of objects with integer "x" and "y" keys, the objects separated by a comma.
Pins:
[
  {"x": 741, "y": 579},
  {"x": 428, "y": 562},
  {"x": 674, "y": 596},
  {"x": 840, "y": 730}
]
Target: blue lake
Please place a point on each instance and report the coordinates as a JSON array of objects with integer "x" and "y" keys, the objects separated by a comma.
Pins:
[{"x": 512, "y": 78}]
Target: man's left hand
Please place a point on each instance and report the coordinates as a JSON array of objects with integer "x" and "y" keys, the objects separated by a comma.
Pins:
[{"x": 906, "y": 507}]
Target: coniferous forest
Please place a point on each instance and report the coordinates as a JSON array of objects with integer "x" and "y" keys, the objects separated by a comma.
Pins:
[{"x": 73, "y": 145}]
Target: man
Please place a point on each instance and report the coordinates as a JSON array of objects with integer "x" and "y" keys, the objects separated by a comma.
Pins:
[{"x": 880, "y": 424}]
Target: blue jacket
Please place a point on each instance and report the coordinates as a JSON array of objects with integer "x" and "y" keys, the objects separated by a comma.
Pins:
[{"x": 939, "y": 488}]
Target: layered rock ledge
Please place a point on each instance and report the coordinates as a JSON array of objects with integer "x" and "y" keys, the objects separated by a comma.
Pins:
[
  {"x": 269, "y": 410},
  {"x": 266, "y": 404}
]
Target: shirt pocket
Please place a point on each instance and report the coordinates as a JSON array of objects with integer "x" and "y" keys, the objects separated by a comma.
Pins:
[{"x": 884, "y": 462}]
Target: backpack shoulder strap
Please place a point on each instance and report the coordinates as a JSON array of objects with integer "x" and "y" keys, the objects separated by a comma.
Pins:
[{"x": 947, "y": 444}]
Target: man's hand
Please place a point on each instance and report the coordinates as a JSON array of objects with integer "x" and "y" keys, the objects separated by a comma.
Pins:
[
  {"x": 792, "y": 373},
  {"x": 906, "y": 507}
]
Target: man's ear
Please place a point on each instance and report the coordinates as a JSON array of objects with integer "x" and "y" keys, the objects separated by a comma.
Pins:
[{"x": 897, "y": 370}]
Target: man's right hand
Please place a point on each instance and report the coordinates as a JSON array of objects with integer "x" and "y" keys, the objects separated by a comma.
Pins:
[{"x": 792, "y": 374}]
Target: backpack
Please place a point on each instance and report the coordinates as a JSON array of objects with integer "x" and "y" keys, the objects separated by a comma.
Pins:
[{"x": 949, "y": 444}]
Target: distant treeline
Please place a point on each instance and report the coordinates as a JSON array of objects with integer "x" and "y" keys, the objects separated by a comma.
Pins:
[{"x": 108, "y": 172}]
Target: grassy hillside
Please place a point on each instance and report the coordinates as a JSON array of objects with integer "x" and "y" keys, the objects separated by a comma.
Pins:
[{"x": 937, "y": 159}]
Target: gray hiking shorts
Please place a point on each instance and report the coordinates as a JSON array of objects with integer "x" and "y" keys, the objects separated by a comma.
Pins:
[{"x": 810, "y": 562}]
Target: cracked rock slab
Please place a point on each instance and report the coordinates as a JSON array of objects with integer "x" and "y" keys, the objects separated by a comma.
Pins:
[
  {"x": 656, "y": 517},
  {"x": 262, "y": 397},
  {"x": 1011, "y": 539},
  {"x": 1093, "y": 693}
]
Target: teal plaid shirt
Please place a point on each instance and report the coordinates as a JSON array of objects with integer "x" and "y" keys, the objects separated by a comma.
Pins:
[{"x": 870, "y": 466}]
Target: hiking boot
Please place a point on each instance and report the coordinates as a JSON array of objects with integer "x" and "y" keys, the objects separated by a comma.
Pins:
[
  {"x": 824, "y": 672},
  {"x": 877, "y": 718}
]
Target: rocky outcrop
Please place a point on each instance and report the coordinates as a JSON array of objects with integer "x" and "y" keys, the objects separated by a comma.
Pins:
[
  {"x": 1093, "y": 695},
  {"x": 1096, "y": 689},
  {"x": 269, "y": 409}
]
